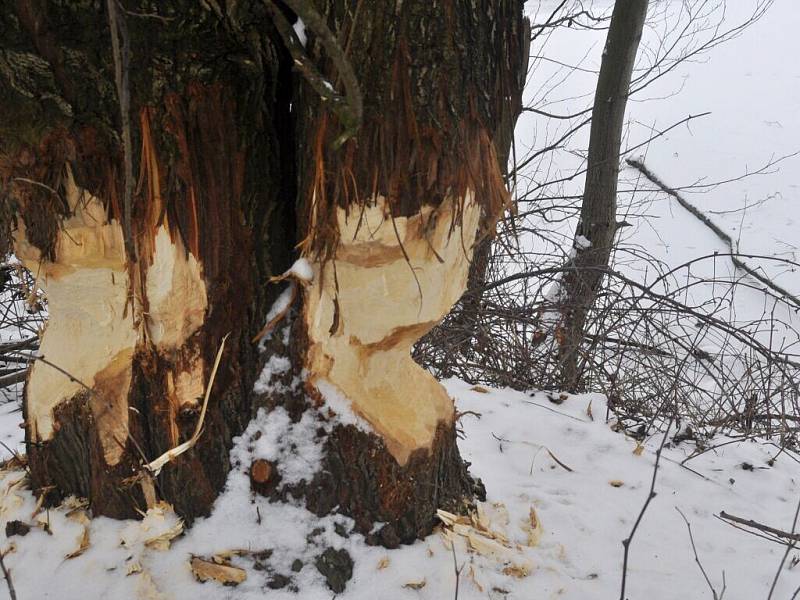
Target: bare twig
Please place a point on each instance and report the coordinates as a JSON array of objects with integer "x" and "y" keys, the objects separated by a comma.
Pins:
[
  {"x": 789, "y": 535},
  {"x": 456, "y": 569},
  {"x": 626, "y": 543},
  {"x": 7, "y": 574},
  {"x": 789, "y": 548},
  {"x": 699, "y": 564}
]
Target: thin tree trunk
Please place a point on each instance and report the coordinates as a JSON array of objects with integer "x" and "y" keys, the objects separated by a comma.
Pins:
[{"x": 597, "y": 227}]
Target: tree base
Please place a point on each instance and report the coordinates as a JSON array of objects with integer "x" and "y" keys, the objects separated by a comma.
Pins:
[
  {"x": 358, "y": 476},
  {"x": 365, "y": 482}
]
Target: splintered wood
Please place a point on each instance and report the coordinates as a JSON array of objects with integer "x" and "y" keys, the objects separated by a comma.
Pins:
[
  {"x": 91, "y": 307},
  {"x": 217, "y": 569},
  {"x": 155, "y": 531},
  {"x": 484, "y": 532}
]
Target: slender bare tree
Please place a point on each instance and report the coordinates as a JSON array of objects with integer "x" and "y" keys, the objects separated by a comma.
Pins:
[{"x": 597, "y": 227}]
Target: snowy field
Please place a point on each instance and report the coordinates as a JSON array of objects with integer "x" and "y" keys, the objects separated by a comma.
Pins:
[
  {"x": 585, "y": 482},
  {"x": 750, "y": 87}
]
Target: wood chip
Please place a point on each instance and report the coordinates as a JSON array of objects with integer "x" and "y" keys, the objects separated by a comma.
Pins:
[
  {"x": 134, "y": 568},
  {"x": 616, "y": 483},
  {"x": 479, "y": 388},
  {"x": 83, "y": 544},
  {"x": 163, "y": 540},
  {"x": 518, "y": 571},
  {"x": 483, "y": 535},
  {"x": 208, "y": 570},
  {"x": 83, "y": 541},
  {"x": 533, "y": 527},
  {"x": 383, "y": 563},
  {"x": 154, "y": 520},
  {"x": 415, "y": 585}
]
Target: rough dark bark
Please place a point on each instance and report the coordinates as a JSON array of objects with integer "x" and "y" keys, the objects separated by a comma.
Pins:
[
  {"x": 364, "y": 480},
  {"x": 597, "y": 223},
  {"x": 358, "y": 476},
  {"x": 441, "y": 84}
]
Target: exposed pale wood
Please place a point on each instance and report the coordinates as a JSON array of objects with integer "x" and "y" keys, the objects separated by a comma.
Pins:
[
  {"x": 390, "y": 282},
  {"x": 209, "y": 218},
  {"x": 91, "y": 332},
  {"x": 176, "y": 292},
  {"x": 95, "y": 318}
]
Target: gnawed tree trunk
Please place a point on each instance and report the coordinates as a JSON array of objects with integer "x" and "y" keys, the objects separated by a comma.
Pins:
[
  {"x": 132, "y": 335},
  {"x": 388, "y": 215},
  {"x": 594, "y": 237}
]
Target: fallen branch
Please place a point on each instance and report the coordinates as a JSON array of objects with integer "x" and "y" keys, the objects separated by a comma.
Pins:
[
  {"x": 10, "y": 379},
  {"x": 738, "y": 263},
  {"x": 27, "y": 344},
  {"x": 795, "y": 537}
]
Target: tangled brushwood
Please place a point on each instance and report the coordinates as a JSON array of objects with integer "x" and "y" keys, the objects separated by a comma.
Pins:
[{"x": 23, "y": 313}]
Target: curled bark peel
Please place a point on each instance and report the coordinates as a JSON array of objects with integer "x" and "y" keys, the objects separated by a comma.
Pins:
[{"x": 156, "y": 465}]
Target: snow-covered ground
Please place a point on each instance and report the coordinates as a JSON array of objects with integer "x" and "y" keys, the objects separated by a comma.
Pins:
[{"x": 513, "y": 444}]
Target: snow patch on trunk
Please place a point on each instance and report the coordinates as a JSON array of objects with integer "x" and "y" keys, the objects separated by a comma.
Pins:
[{"x": 293, "y": 448}]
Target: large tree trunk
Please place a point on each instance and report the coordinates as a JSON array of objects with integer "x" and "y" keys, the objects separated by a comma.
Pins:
[
  {"x": 139, "y": 306},
  {"x": 597, "y": 227}
]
